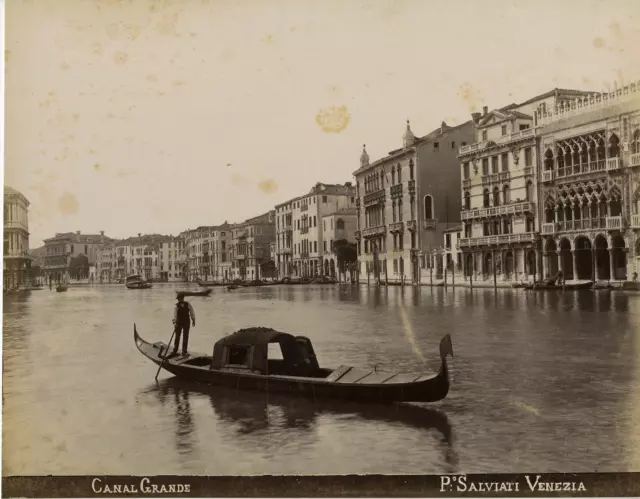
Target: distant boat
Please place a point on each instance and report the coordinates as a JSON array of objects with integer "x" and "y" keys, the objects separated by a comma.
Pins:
[
  {"x": 136, "y": 281},
  {"x": 205, "y": 284},
  {"x": 206, "y": 292},
  {"x": 61, "y": 288}
]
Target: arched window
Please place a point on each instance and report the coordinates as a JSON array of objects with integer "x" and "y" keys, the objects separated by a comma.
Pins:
[
  {"x": 635, "y": 142},
  {"x": 467, "y": 200},
  {"x": 506, "y": 195},
  {"x": 399, "y": 174},
  {"x": 340, "y": 224},
  {"x": 485, "y": 198},
  {"x": 614, "y": 146},
  {"x": 548, "y": 160},
  {"x": 393, "y": 175},
  {"x": 496, "y": 196},
  {"x": 428, "y": 207}
]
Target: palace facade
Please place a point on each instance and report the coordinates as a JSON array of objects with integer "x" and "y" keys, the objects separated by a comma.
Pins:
[
  {"x": 303, "y": 248},
  {"x": 16, "y": 261},
  {"x": 500, "y": 239},
  {"x": 590, "y": 186},
  {"x": 405, "y": 202}
]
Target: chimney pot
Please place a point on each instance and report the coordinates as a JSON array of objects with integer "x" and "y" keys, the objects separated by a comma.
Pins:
[
  {"x": 78, "y": 232},
  {"x": 485, "y": 110},
  {"x": 476, "y": 117}
]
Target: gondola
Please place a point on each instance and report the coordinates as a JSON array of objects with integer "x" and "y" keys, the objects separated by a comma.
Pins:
[
  {"x": 205, "y": 292},
  {"x": 551, "y": 286},
  {"x": 61, "y": 288},
  {"x": 206, "y": 284},
  {"x": 232, "y": 287},
  {"x": 240, "y": 361},
  {"x": 136, "y": 281}
]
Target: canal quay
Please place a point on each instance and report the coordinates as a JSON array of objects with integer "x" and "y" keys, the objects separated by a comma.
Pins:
[{"x": 542, "y": 381}]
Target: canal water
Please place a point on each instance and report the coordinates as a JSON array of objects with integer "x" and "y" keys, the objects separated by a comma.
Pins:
[{"x": 543, "y": 381}]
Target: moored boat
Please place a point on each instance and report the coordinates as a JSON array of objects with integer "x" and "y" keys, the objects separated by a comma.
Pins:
[
  {"x": 232, "y": 287},
  {"x": 207, "y": 284},
  {"x": 136, "y": 281},
  {"x": 61, "y": 288},
  {"x": 205, "y": 292},
  {"x": 241, "y": 361}
]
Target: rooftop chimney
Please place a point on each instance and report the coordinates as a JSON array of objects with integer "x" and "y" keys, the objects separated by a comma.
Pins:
[
  {"x": 476, "y": 117},
  {"x": 485, "y": 110},
  {"x": 78, "y": 232},
  {"x": 443, "y": 127}
]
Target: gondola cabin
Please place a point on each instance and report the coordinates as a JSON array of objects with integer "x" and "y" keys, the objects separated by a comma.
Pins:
[{"x": 248, "y": 350}]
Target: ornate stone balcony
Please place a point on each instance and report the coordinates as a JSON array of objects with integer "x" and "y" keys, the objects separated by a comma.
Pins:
[
  {"x": 479, "y": 146},
  {"x": 613, "y": 164},
  {"x": 411, "y": 225},
  {"x": 549, "y": 229},
  {"x": 505, "y": 176},
  {"x": 374, "y": 198},
  {"x": 635, "y": 221},
  {"x": 614, "y": 223},
  {"x": 429, "y": 223},
  {"x": 396, "y": 190},
  {"x": 548, "y": 176},
  {"x": 634, "y": 160},
  {"x": 396, "y": 227},
  {"x": 525, "y": 237},
  {"x": 506, "y": 209},
  {"x": 466, "y": 183},
  {"x": 528, "y": 170},
  {"x": 378, "y": 230}
]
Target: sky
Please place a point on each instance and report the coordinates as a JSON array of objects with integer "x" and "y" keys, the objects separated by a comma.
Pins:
[{"x": 158, "y": 116}]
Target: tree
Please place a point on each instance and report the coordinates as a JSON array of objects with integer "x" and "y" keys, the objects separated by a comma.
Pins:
[
  {"x": 79, "y": 267},
  {"x": 347, "y": 256}
]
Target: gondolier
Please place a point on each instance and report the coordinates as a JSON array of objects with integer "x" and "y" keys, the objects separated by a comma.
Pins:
[{"x": 182, "y": 315}]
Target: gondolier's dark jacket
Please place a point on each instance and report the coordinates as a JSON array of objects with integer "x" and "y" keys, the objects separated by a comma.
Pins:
[{"x": 182, "y": 312}]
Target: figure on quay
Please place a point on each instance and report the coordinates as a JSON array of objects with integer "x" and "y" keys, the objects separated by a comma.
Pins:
[{"x": 183, "y": 318}]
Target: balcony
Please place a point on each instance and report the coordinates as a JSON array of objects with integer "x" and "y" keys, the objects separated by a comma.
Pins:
[
  {"x": 378, "y": 230},
  {"x": 549, "y": 229},
  {"x": 374, "y": 198},
  {"x": 528, "y": 170},
  {"x": 304, "y": 254},
  {"x": 304, "y": 207},
  {"x": 396, "y": 190},
  {"x": 288, "y": 228},
  {"x": 582, "y": 169},
  {"x": 521, "y": 135},
  {"x": 548, "y": 175},
  {"x": 635, "y": 221},
  {"x": 525, "y": 237},
  {"x": 429, "y": 223},
  {"x": 411, "y": 225},
  {"x": 506, "y": 209},
  {"x": 396, "y": 227},
  {"x": 304, "y": 230},
  {"x": 613, "y": 164},
  {"x": 614, "y": 223},
  {"x": 634, "y": 160},
  {"x": 486, "y": 179},
  {"x": 466, "y": 183},
  {"x": 505, "y": 176}
]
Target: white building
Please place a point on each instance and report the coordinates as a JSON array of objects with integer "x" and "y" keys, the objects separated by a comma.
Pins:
[{"x": 299, "y": 235}]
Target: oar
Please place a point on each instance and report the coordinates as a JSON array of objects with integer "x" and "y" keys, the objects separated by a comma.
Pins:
[{"x": 165, "y": 355}]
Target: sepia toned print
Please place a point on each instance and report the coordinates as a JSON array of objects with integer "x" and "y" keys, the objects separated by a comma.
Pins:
[{"x": 321, "y": 239}]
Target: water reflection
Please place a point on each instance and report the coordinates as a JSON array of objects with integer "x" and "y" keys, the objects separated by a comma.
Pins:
[{"x": 246, "y": 414}]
